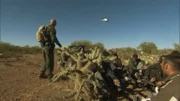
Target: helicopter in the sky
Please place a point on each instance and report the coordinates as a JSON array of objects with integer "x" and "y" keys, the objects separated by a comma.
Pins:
[{"x": 104, "y": 19}]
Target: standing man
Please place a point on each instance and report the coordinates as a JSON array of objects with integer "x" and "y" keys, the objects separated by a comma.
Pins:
[
  {"x": 48, "y": 50},
  {"x": 170, "y": 91}
]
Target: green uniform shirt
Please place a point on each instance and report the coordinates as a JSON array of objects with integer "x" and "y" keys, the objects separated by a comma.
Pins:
[
  {"x": 170, "y": 91},
  {"x": 133, "y": 63},
  {"x": 51, "y": 36}
]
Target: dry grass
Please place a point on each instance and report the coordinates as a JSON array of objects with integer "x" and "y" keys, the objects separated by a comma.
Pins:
[{"x": 8, "y": 50}]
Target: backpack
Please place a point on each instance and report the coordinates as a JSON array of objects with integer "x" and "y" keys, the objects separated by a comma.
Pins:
[{"x": 41, "y": 33}]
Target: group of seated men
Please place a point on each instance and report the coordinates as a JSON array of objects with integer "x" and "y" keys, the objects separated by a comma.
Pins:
[{"x": 115, "y": 75}]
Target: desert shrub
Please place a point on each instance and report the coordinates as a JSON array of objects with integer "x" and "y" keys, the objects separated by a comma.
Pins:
[
  {"x": 9, "y": 50},
  {"x": 125, "y": 52},
  {"x": 164, "y": 51},
  {"x": 88, "y": 44},
  {"x": 31, "y": 49},
  {"x": 149, "y": 48}
]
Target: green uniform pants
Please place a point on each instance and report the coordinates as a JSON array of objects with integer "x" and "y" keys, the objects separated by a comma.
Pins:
[{"x": 48, "y": 55}]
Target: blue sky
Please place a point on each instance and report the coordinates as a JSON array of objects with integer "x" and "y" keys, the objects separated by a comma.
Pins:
[{"x": 131, "y": 22}]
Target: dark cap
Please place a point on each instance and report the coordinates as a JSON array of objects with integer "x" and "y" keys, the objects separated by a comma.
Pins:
[
  {"x": 173, "y": 56},
  {"x": 174, "y": 59}
]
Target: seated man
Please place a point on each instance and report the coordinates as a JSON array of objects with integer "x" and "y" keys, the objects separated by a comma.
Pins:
[
  {"x": 154, "y": 73},
  {"x": 134, "y": 61},
  {"x": 131, "y": 69},
  {"x": 108, "y": 74},
  {"x": 132, "y": 65}
]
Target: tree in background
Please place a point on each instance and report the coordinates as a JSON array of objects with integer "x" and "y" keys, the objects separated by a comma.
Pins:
[
  {"x": 148, "y": 47},
  {"x": 99, "y": 45},
  {"x": 88, "y": 44}
]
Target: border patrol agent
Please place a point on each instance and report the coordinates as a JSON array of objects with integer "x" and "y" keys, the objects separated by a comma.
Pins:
[
  {"x": 48, "y": 50},
  {"x": 170, "y": 91}
]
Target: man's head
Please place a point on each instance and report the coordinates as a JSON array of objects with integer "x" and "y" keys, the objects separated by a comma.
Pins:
[
  {"x": 135, "y": 56},
  {"x": 171, "y": 64},
  {"x": 53, "y": 22}
]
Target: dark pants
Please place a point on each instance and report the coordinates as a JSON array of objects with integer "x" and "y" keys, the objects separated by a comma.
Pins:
[{"x": 48, "y": 55}]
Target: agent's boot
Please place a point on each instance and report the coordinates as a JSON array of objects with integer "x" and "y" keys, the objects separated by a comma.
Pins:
[{"x": 43, "y": 76}]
